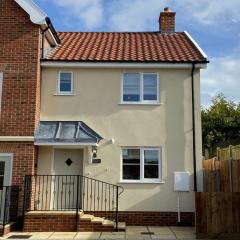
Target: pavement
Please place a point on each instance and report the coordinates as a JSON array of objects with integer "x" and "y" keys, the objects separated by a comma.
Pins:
[{"x": 132, "y": 233}]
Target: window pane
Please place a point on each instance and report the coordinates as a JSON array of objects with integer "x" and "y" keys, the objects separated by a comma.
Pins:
[
  {"x": 131, "y": 156},
  {"x": 66, "y": 76},
  {"x": 151, "y": 171},
  {"x": 65, "y": 82},
  {"x": 151, "y": 156},
  {"x": 131, "y": 87},
  {"x": 1, "y": 182},
  {"x": 2, "y": 168},
  {"x": 131, "y": 172},
  {"x": 150, "y": 86}
]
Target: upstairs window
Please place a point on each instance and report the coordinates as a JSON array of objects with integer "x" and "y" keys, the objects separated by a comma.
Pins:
[
  {"x": 65, "y": 83},
  {"x": 140, "y": 88}
]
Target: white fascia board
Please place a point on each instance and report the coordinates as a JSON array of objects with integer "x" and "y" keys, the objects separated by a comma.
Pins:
[
  {"x": 196, "y": 45},
  {"x": 119, "y": 65},
  {"x": 37, "y": 15}
]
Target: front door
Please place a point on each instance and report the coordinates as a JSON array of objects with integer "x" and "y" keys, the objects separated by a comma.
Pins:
[
  {"x": 5, "y": 179},
  {"x": 68, "y": 164}
]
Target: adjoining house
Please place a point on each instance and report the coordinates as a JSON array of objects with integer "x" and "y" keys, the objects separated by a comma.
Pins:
[{"x": 97, "y": 128}]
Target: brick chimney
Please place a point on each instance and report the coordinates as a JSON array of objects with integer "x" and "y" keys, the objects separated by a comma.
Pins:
[{"x": 167, "y": 21}]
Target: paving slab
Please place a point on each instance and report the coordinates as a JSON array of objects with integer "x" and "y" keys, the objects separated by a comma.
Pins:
[
  {"x": 163, "y": 236},
  {"x": 62, "y": 236},
  {"x": 112, "y": 236},
  {"x": 88, "y": 235},
  {"x": 160, "y": 230},
  {"x": 136, "y": 230},
  {"x": 138, "y": 237},
  {"x": 40, "y": 235}
]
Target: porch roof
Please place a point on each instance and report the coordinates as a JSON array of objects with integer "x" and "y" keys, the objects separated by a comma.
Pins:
[{"x": 65, "y": 133}]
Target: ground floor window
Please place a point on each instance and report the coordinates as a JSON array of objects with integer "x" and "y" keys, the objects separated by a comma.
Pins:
[{"x": 141, "y": 164}]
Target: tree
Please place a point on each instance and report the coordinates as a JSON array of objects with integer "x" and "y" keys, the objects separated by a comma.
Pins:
[{"x": 220, "y": 123}]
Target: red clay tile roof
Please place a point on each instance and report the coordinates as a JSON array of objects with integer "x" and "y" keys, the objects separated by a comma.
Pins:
[{"x": 125, "y": 47}]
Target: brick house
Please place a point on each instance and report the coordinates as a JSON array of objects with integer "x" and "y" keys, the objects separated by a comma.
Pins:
[{"x": 84, "y": 116}]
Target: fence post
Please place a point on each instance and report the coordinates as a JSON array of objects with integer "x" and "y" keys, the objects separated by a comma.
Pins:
[
  {"x": 230, "y": 175},
  {"x": 230, "y": 152},
  {"x": 218, "y": 152}
]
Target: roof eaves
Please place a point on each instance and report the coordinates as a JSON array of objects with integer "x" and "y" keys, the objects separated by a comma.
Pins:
[
  {"x": 39, "y": 17},
  {"x": 117, "y": 61},
  {"x": 197, "y": 46}
]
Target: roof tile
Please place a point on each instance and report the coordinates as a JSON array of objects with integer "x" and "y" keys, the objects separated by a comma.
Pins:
[{"x": 125, "y": 47}]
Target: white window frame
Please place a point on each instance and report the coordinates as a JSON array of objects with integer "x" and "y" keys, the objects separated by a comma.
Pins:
[
  {"x": 11, "y": 164},
  {"x": 142, "y": 179},
  {"x": 142, "y": 101},
  {"x": 59, "y": 83},
  {"x": 1, "y": 86}
]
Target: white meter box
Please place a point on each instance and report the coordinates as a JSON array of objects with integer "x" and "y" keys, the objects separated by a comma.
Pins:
[{"x": 182, "y": 181}]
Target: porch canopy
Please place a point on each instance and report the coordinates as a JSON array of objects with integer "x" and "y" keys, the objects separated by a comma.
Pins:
[{"x": 65, "y": 133}]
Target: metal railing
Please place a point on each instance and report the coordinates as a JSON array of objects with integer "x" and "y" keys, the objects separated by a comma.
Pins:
[
  {"x": 72, "y": 193},
  {"x": 9, "y": 196}
]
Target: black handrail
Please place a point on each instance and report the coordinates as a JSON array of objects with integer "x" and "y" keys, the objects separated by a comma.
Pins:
[
  {"x": 9, "y": 196},
  {"x": 72, "y": 193}
]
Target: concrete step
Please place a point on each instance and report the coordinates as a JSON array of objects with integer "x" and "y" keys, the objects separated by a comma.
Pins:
[
  {"x": 108, "y": 223},
  {"x": 97, "y": 220},
  {"x": 121, "y": 225},
  {"x": 100, "y": 223},
  {"x": 86, "y": 217}
]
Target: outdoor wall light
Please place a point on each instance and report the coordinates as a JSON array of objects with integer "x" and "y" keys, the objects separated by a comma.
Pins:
[{"x": 94, "y": 152}]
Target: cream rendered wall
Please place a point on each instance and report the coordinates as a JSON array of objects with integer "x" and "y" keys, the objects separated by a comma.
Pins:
[{"x": 96, "y": 101}]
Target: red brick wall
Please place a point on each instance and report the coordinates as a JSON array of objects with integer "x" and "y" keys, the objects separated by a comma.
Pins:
[
  {"x": 24, "y": 159},
  {"x": 151, "y": 218},
  {"x": 20, "y": 63},
  {"x": 60, "y": 222},
  {"x": 63, "y": 222},
  {"x": 50, "y": 223},
  {"x": 156, "y": 218}
]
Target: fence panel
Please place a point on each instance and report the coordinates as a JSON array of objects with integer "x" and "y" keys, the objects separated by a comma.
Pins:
[
  {"x": 217, "y": 213},
  {"x": 221, "y": 175},
  {"x": 231, "y": 152}
]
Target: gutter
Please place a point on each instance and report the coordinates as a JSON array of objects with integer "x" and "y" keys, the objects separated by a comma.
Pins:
[
  {"x": 194, "y": 129},
  {"x": 114, "y": 64}
]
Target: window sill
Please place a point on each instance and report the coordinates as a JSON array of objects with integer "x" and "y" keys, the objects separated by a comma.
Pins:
[
  {"x": 64, "y": 94},
  {"x": 141, "y": 182},
  {"x": 141, "y": 103}
]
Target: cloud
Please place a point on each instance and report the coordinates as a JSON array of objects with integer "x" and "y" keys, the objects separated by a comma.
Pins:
[
  {"x": 89, "y": 12},
  {"x": 135, "y": 15},
  {"x": 222, "y": 75},
  {"x": 140, "y": 15},
  {"x": 212, "y": 12}
]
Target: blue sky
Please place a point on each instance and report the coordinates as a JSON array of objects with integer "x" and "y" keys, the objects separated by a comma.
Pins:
[{"x": 214, "y": 24}]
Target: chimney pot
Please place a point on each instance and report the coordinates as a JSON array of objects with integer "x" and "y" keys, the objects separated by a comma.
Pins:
[
  {"x": 167, "y": 21},
  {"x": 167, "y": 9}
]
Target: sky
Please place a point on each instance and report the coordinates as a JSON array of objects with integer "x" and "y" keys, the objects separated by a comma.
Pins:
[{"x": 214, "y": 24}]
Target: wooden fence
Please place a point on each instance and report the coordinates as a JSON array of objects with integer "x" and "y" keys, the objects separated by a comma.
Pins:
[
  {"x": 221, "y": 175},
  {"x": 231, "y": 152},
  {"x": 217, "y": 215},
  {"x": 218, "y": 207}
]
